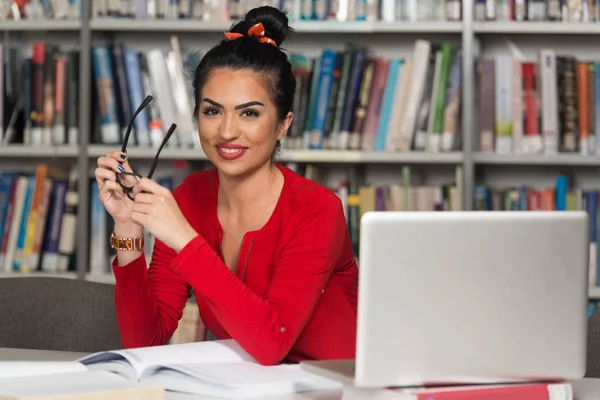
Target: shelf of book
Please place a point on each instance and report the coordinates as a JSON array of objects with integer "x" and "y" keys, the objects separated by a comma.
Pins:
[
  {"x": 300, "y": 156},
  {"x": 534, "y": 159},
  {"x": 191, "y": 25},
  {"x": 20, "y": 150},
  {"x": 41, "y": 25},
  {"x": 371, "y": 157},
  {"x": 536, "y": 27}
]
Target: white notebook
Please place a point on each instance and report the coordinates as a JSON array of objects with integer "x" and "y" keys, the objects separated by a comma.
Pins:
[{"x": 211, "y": 368}]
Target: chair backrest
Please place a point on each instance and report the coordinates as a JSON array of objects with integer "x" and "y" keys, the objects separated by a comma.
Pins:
[
  {"x": 593, "y": 346},
  {"x": 57, "y": 314}
]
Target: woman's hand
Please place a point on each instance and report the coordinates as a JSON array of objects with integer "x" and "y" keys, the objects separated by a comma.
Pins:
[
  {"x": 156, "y": 210},
  {"x": 116, "y": 202}
]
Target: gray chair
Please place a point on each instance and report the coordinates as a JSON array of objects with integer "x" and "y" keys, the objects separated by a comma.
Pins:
[
  {"x": 57, "y": 314},
  {"x": 593, "y": 346}
]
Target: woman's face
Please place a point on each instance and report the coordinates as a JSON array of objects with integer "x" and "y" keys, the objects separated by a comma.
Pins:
[{"x": 237, "y": 121}]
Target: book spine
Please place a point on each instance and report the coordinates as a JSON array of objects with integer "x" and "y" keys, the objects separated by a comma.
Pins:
[
  {"x": 347, "y": 64},
  {"x": 386, "y": 108},
  {"x": 373, "y": 112},
  {"x": 330, "y": 137},
  {"x": 350, "y": 102},
  {"x": 58, "y": 128},
  {"x": 22, "y": 225},
  {"x": 48, "y": 105},
  {"x": 36, "y": 251},
  {"x": 136, "y": 96},
  {"x": 27, "y": 92},
  {"x": 121, "y": 99},
  {"x": 583, "y": 107},
  {"x": 38, "y": 59},
  {"x": 362, "y": 103},
  {"x": 72, "y": 90},
  {"x": 57, "y": 207},
  {"x": 503, "y": 101},
  {"x": 328, "y": 63},
  {"x": 109, "y": 123},
  {"x": 487, "y": 107}
]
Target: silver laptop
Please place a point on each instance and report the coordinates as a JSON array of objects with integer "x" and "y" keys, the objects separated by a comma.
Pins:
[{"x": 468, "y": 297}]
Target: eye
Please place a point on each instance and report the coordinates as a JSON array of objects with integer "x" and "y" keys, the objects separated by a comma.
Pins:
[
  {"x": 250, "y": 112},
  {"x": 210, "y": 111}
]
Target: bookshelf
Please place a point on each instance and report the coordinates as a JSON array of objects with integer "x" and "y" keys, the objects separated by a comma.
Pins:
[{"x": 474, "y": 37}]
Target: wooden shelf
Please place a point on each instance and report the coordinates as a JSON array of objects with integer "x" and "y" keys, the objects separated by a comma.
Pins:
[
  {"x": 41, "y": 25},
  {"x": 20, "y": 150},
  {"x": 524, "y": 159},
  {"x": 300, "y": 156},
  {"x": 536, "y": 28},
  {"x": 318, "y": 27}
]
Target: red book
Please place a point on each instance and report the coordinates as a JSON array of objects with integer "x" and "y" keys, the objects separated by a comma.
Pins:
[{"x": 521, "y": 391}]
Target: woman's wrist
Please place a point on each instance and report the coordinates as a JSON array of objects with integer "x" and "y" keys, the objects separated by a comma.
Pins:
[{"x": 128, "y": 230}]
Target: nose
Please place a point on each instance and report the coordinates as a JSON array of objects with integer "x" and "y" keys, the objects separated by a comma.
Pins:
[{"x": 229, "y": 127}]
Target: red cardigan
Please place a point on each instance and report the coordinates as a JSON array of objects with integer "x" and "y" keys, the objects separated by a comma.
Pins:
[{"x": 294, "y": 295}]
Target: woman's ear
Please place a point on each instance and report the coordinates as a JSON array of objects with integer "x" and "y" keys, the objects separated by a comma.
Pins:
[{"x": 284, "y": 126}]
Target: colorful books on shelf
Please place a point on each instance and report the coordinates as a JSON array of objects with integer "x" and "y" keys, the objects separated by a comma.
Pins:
[
  {"x": 548, "y": 105},
  {"x": 41, "y": 94},
  {"x": 345, "y": 100},
  {"x": 304, "y": 10},
  {"x": 38, "y": 216},
  {"x": 536, "y": 10},
  {"x": 353, "y": 100}
]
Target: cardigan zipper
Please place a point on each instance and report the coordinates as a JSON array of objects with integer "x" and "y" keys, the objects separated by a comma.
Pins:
[{"x": 246, "y": 260}]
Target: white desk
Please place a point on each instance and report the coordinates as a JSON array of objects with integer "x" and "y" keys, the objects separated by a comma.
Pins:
[
  {"x": 586, "y": 389},
  {"x": 46, "y": 355}
]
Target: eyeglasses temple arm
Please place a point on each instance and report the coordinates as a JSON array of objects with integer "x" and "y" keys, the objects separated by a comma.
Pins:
[
  {"x": 164, "y": 142},
  {"x": 146, "y": 101}
]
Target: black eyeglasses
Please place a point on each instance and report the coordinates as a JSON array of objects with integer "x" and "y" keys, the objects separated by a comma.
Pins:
[{"x": 128, "y": 179}]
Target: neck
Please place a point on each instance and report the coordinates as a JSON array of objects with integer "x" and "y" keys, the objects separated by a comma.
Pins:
[{"x": 243, "y": 193}]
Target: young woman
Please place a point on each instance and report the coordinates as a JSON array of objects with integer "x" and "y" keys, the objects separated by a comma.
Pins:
[{"x": 266, "y": 251}]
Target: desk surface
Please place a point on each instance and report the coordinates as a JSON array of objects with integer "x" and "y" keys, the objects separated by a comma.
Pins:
[
  {"x": 46, "y": 355},
  {"x": 586, "y": 389},
  {"x": 37, "y": 355}
]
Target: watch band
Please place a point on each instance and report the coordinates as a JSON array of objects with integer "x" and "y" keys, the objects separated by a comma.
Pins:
[{"x": 128, "y": 244}]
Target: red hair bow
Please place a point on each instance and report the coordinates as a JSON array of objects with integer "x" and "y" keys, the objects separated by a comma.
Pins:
[{"x": 257, "y": 30}]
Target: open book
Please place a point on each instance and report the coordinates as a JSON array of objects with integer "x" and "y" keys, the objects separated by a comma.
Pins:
[
  {"x": 82, "y": 385},
  {"x": 212, "y": 368}
]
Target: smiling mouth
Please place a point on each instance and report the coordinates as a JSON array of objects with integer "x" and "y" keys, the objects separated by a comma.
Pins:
[{"x": 230, "y": 151}]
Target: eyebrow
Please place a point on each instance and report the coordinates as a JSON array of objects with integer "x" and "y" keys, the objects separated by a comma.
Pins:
[{"x": 244, "y": 105}]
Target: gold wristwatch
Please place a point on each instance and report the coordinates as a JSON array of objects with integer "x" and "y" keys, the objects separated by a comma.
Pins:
[{"x": 134, "y": 244}]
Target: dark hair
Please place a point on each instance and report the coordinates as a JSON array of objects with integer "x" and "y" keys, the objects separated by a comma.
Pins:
[{"x": 248, "y": 53}]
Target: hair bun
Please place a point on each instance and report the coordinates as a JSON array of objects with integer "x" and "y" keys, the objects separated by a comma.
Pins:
[{"x": 275, "y": 22}]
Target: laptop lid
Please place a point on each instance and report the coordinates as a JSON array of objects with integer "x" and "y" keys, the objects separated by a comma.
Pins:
[{"x": 451, "y": 297}]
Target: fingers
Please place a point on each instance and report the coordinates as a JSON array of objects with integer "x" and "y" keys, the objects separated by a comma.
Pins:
[
  {"x": 102, "y": 175},
  {"x": 115, "y": 161},
  {"x": 110, "y": 188},
  {"x": 149, "y": 186},
  {"x": 142, "y": 208},
  {"x": 144, "y": 198},
  {"x": 139, "y": 218}
]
